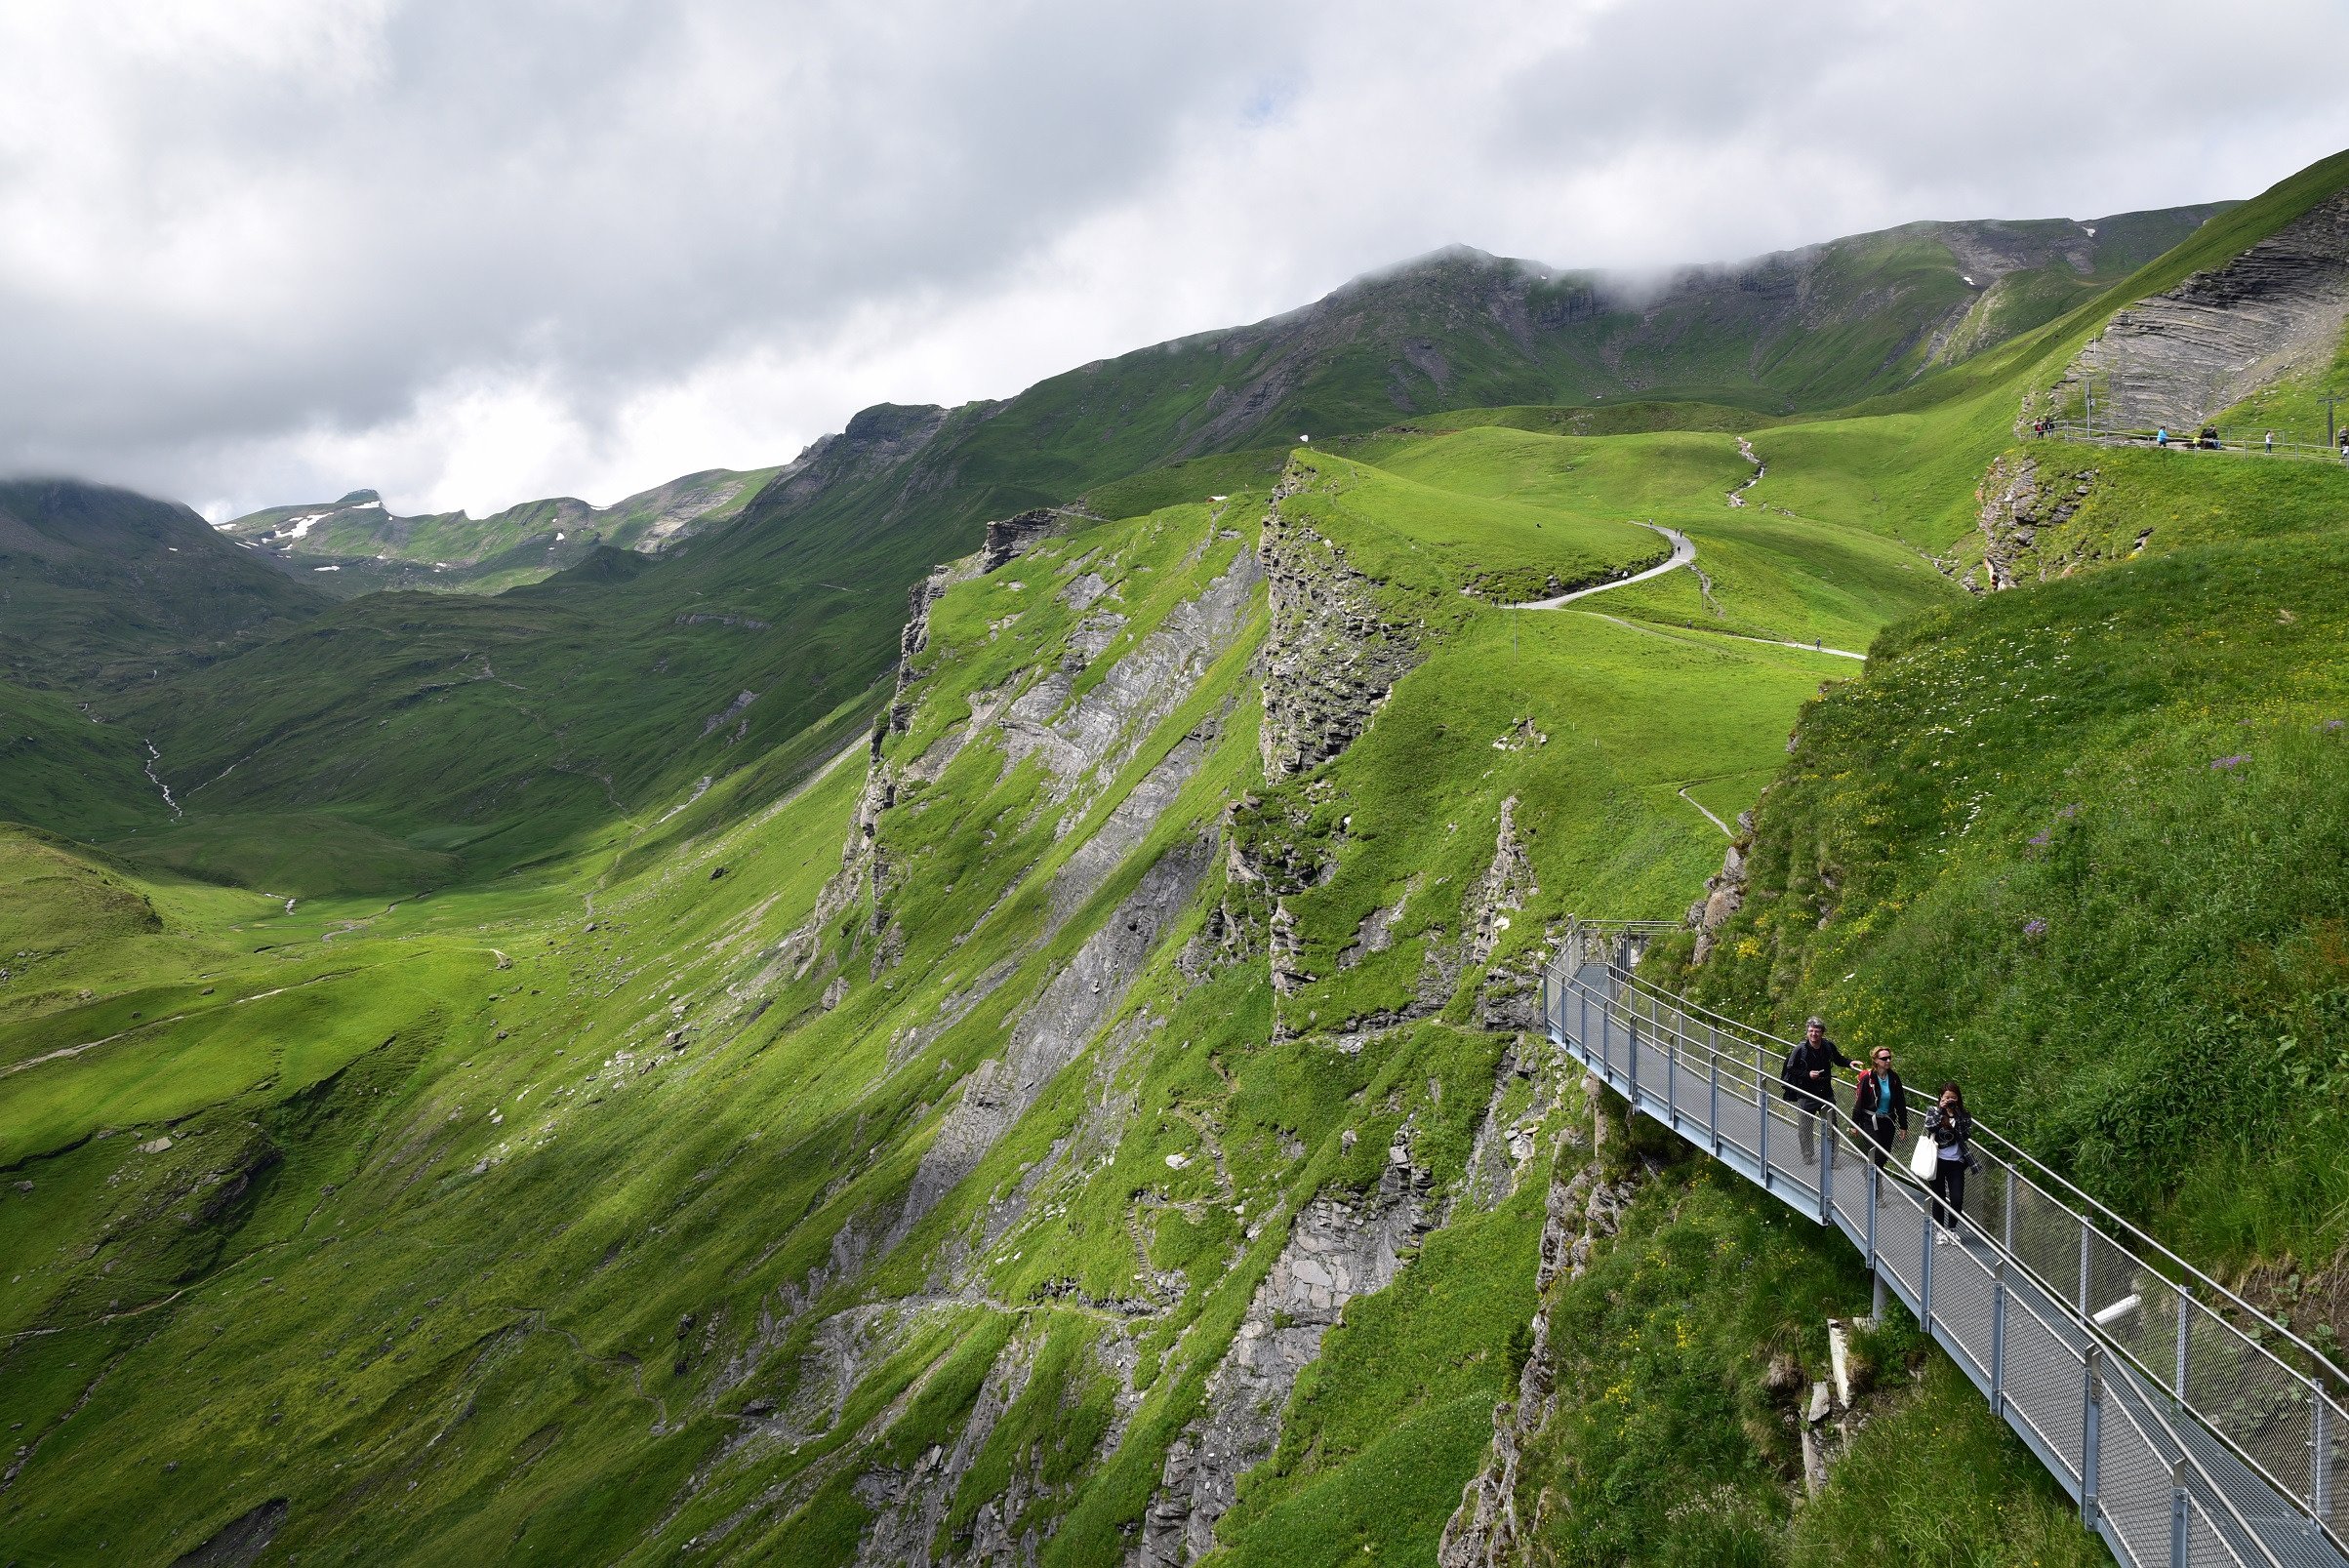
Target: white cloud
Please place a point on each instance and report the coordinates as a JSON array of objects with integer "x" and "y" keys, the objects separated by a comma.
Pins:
[{"x": 470, "y": 255}]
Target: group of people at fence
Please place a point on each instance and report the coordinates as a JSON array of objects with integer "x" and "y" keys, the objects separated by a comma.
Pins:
[
  {"x": 2209, "y": 438},
  {"x": 1880, "y": 1111}
]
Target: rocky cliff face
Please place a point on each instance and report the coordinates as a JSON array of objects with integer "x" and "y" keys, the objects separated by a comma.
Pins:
[
  {"x": 2020, "y": 502},
  {"x": 1338, "y": 1249},
  {"x": 1494, "y": 1523},
  {"x": 2180, "y": 357},
  {"x": 1331, "y": 657}
]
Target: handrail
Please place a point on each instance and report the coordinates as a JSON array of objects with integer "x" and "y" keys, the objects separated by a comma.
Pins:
[
  {"x": 2322, "y": 1416},
  {"x": 2267, "y": 1324}
]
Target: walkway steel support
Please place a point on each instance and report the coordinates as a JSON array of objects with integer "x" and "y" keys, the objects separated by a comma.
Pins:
[
  {"x": 2177, "y": 1514},
  {"x": 1761, "y": 1115},
  {"x": 1925, "y": 1276},
  {"x": 1874, "y": 1196},
  {"x": 2091, "y": 1429},
  {"x": 2185, "y": 1324},
  {"x": 1998, "y": 1340},
  {"x": 1712, "y": 1101},
  {"x": 2319, "y": 1443},
  {"x": 1672, "y": 1083},
  {"x": 1827, "y": 1133}
]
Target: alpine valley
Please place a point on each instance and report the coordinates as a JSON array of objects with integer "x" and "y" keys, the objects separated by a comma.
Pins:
[{"x": 971, "y": 997}]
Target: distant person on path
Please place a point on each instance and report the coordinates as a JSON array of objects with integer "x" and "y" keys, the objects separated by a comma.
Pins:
[
  {"x": 2160, "y": 438},
  {"x": 1882, "y": 1106},
  {"x": 1809, "y": 1080},
  {"x": 2271, "y": 443},
  {"x": 1950, "y": 1127}
]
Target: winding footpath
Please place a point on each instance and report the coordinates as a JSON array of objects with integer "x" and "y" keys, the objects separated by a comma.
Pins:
[{"x": 1682, "y": 554}]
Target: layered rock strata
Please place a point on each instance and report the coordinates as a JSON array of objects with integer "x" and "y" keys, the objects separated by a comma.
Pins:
[{"x": 2177, "y": 359}]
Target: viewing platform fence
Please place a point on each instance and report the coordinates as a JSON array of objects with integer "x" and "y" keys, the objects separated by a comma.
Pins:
[{"x": 2191, "y": 1427}]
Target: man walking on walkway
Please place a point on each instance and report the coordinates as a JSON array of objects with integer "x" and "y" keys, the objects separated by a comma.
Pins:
[
  {"x": 1882, "y": 1106},
  {"x": 1809, "y": 1080}
]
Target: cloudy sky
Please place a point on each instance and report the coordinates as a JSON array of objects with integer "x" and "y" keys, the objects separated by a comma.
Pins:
[{"x": 260, "y": 251}]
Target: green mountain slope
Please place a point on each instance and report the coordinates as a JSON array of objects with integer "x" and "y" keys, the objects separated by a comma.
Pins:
[
  {"x": 1073, "y": 1099},
  {"x": 103, "y": 588}
]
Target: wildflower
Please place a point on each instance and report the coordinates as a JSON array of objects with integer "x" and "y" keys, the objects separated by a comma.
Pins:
[
  {"x": 2330, "y": 725},
  {"x": 2223, "y": 763},
  {"x": 2034, "y": 927},
  {"x": 2068, "y": 811},
  {"x": 2042, "y": 838}
]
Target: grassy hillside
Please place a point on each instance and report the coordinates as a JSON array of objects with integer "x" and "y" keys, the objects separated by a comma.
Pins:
[
  {"x": 667, "y": 1062},
  {"x": 638, "y": 1133},
  {"x": 104, "y": 589},
  {"x": 2076, "y": 842}
]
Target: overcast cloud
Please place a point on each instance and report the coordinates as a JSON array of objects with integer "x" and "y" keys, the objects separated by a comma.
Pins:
[{"x": 258, "y": 251}]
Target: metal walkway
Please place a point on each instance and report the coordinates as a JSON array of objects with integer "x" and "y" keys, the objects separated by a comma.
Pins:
[{"x": 2191, "y": 1428}]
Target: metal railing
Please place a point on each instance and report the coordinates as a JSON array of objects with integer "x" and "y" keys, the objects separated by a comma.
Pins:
[
  {"x": 2191, "y": 1427},
  {"x": 2228, "y": 440}
]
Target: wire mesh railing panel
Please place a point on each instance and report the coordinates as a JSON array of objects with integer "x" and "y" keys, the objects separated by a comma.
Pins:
[
  {"x": 1900, "y": 1238},
  {"x": 2044, "y": 1384},
  {"x": 1853, "y": 1189},
  {"x": 1963, "y": 1295},
  {"x": 2205, "y": 1547},
  {"x": 2134, "y": 1489},
  {"x": 1792, "y": 1166}
]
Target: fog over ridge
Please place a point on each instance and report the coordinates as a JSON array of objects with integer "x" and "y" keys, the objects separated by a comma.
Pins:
[{"x": 254, "y": 251}]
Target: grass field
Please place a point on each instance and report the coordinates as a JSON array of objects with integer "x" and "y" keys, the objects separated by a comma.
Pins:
[{"x": 606, "y": 1071}]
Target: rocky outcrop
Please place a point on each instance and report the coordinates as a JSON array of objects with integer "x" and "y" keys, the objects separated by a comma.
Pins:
[
  {"x": 2177, "y": 359},
  {"x": 2020, "y": 503},
  {"x": 1122, "y": 831},
  {"x": 1506, "y": 887},
  {"x": 1053, "y": 1028},
  {"x": 1007, "y": 537},
  {"x": 1103, "y": 728},
  {"x": 909, "y": 1504},
  {"x": 1724, "y": 894},
  {"x": 1339, "y": 1248},
  {"x": 1585, "y": 1208},
  {"x": 240, "y": 1542},
  {"x": 913, "y": 638},
  {"x": 1330, "y": 656}
]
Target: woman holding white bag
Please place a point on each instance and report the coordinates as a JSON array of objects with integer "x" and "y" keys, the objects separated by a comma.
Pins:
[{"x": 1949, "y": 1130}]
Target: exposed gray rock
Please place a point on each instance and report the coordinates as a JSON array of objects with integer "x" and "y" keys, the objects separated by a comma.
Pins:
[
  {"x": 1337, "y": 1249},
  {"x": 1083, "y": 589},
  {"x": 1486, "y": 1530},
  {"x": 1506, "y": 886},
  {"x": 742, "y": 700},
  {"x": 2018, "y": 504},
  {"x": 1373, "y": 933},
  {"x": 1104, "y": 728},
  {"x": 1053, "y": 1030},
  {"x": 1090, "y": 638},
  {"x": 2275, "y": 310},
  {"x": 909, "y": 1504},
  {"x": 1008, "y": 536},
  {"x": 1725, "y": 895},
  {"x": 1330, "y": 657},
  {"x": 1121, "y": 832},
  {"x": 240, "y": 1542}
]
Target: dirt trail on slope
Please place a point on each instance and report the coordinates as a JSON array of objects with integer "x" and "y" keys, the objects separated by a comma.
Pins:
[{"x": 1683, "y": 554}]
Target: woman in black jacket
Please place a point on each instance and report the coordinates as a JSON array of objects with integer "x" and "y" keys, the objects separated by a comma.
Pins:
[
  {"x": 1881, "y": 1105},
  {"x": 1950, "y": 1127}
]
